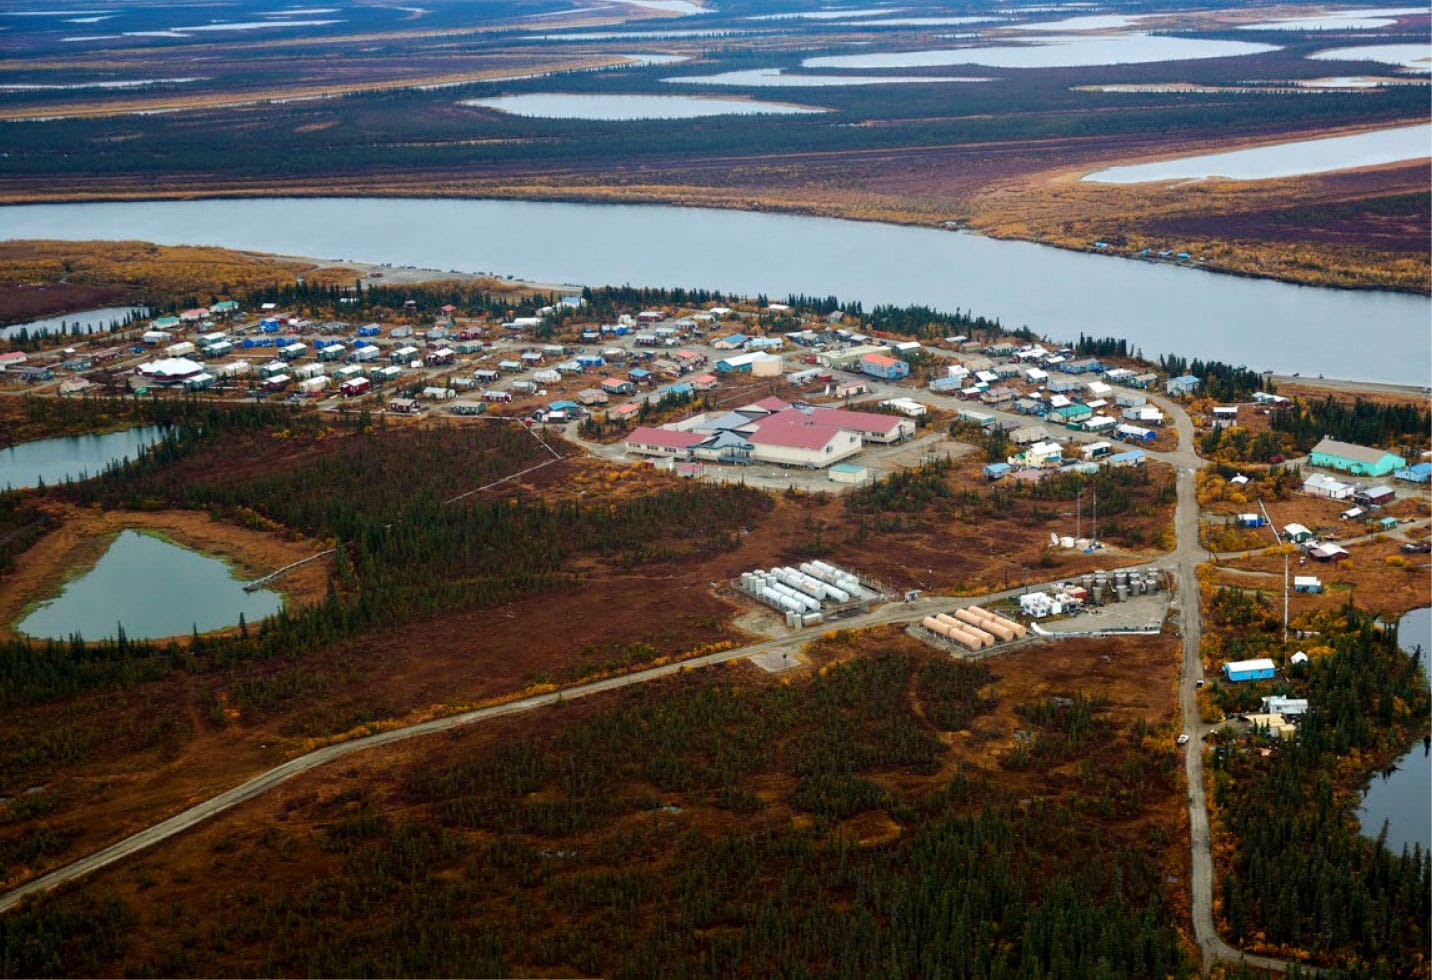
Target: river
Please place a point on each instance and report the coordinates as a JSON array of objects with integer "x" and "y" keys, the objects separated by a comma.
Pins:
[
  {"x": 1159, "y": 308},
  {"x": 1402, "y": 796}
]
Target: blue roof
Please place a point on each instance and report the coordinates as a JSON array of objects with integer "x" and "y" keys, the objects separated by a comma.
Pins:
[
  {"x": 847, "y": 468},
  {"x": 735, "y": 338},
  {"x": 681, "y": 388},
  {"x": 1187, "y": 379},
  {"x": 1127, "y": 457},
  {"x": 1418, "y": 473},
  {"x": 563, "y": 406}
]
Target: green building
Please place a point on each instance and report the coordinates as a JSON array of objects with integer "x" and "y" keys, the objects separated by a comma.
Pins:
[{"x": 1354, "y": 459}]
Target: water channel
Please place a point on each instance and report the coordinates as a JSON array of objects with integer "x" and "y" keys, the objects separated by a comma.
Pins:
[
  {"x": 70, "y": 457},
  {"x": 1402, "y": 796},
  {"x": 154, "y": 589},
  {"x": 1158, "y": 307}
]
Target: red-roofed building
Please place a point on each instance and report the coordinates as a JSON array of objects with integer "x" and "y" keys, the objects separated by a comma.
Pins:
[
  {"x": 704, "y": 382},
  {"x": 870, "y": 426},
  {"x": 618, "y": 386},
  {"x": 663, "y": 442},
  {"x": 801, "y": 441},
  {"x": 766, "y": 406}
]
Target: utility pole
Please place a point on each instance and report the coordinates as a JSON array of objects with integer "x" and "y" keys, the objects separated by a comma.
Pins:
[
  {"x": 1285, "y": 599},
  {"x": 1094, "y": 535},
  {"x": 1078, "y": 513}
]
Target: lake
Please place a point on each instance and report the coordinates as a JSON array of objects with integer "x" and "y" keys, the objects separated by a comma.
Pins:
[
  {"x": 1052, "y": 52},
  {"x": 779, "y": 78},
  {"x": 1283, "y": 159},
  {"x": 70, "y": 457},
  {"x": 1345, "y": 20},
  {"x": 1403, "y": 798},
  {"x": 1157, "y": 307},
  {"x": 616, "y": 108},
  {"x": 1417, "y": 57},
  {"x": 155, "y": 589},
  {"x": 101, "y": 319}
]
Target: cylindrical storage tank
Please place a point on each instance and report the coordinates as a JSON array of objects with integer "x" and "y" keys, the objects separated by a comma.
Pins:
[
  {"x": 809, "y": 569},
  {"x": 931, "y": 623},
  {"x": 972, "y": 618},
  {"x": 1121, "y": 577},
  {"x": 1003, "y": 632},
  {"x": 806, "y": 602},
  {"x": 1020, "y": 630},
  {"x": 972, "y": 624},
  {"x": 1066, "y": 542},
  {"x": 967, "y": 640},
  {"x": 811, "y": 619},
  {"x": 1121, "y": 593},
  {"x": 1155, "y": 581},
  {"x": 793, "y": 620},
  {"x": 837, "y": 595},
  {"x": 1087, "y": 581},
  {"x": 947, "y": 619},
  {"x": 825, "y": 567}
]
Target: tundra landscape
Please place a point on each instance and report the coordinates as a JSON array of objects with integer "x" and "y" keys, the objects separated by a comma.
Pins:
[{"x": 644, "y": 489}]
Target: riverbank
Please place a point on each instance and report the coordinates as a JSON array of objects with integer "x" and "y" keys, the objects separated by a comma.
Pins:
[{"x": 83, "y": 536}]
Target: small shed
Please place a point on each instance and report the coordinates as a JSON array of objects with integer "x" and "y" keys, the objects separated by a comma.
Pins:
[
  {"x": 1310, "y": 584},
  {"x": 1297, "y": 533},
  {"x": 849, "y": 473}
]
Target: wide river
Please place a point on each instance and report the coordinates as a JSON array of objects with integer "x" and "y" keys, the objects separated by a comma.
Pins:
[{"x": 1377, "y": 336}]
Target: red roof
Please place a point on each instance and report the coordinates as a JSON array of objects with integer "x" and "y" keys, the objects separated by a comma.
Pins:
[
  {"x": 771, "y": 404},
  {"x": 844, "y": 418},
  {"x": 666, "y": 438},
  {"x": 615, "y": 383},
  {"x": 879, "y": 359},
  {"x": 793, "y": 433}
]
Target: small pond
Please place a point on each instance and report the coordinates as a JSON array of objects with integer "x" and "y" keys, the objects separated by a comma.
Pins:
[
  {"x": 84, "y": 321},
  {"x": 1283, "y": 159},
  {"x": 619, "y": 108},
  {"x": 1402, "y": 796},
  {"x": 70, "y": 457},
  {"x": 155, "y": 589}
]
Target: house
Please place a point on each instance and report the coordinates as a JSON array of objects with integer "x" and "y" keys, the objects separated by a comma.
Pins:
[
  {"x": 1143, "y": 381},
  {"x": 1351, "y": 458},
  {"x": 1041, "y": 455},
  {"x": 883, "y": 367},
  {"x": 1288, "y": 707},
  {"x": 868, "y": 426},
  {"x": 1028, "y": 435},
  {"x": 617, "y": 386},
  {"x": 1374, "y": 496},
  {"x": 592, "y": 396},
  {"x": 999, "y": 395},
  {"x": 1249, "y": 670},
  {"x": 1297, "y": 533},
  {"x": 1134, "y": 433},
  {"x": 1419, "y": 473},
  {"x": 33, "y": 373},
  {"x": 704, "y": 382},
  {"x": 996, "y": 471},
  {"x": 905, "y": 406},
  {"x": 1310, "y": 584},
  {"x": 1184, "y": 384},
  {"x": 1327, "y": 552},
  {"x": 1321, "y": 485},
  {"x": 404, "y": 406},
  {"x": 852, "y": 473},
  {"x": 440, "y": 357},
  {"x": 1225, "y": 415},
  {"x": 1144, "y": 415},
  {"x": 1133, "y": 457},
  {"x": 1036, "y": 376},
  {"x": 1274, "y": 724},
  {"x": 1264, "y": 398},
  {"x": 1249, "y": 520},
  {"x": 1098, "y": 389},
  {"x": 1098, "y": 423},
  {"x": 353, "y": 387}
]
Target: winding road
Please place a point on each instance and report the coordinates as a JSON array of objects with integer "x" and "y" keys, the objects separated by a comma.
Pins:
[{"x": 1183, "y": 563}]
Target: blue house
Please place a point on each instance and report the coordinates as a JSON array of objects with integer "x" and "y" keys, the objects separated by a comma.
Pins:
[
  {"x": 1184, "y": 384},
  {"x": 1421, "y": 473},
  {"x": 996, "y": 471},
  {"x": 1249, "y": 670}
]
